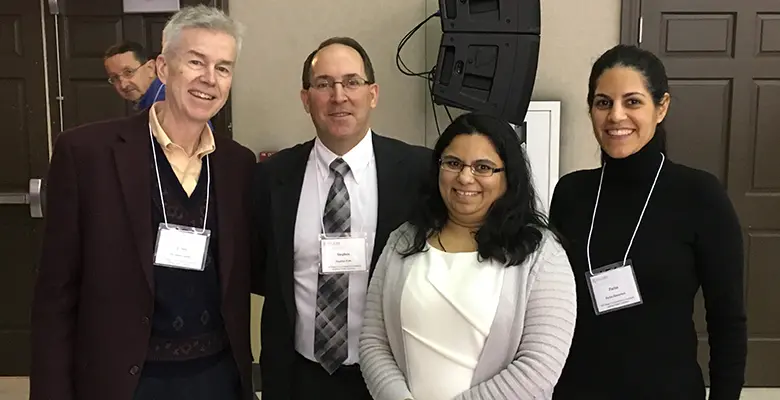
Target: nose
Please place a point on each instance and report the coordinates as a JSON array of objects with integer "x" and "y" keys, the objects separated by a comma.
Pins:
[
  {"x": 338, "y": 95},
  {"x": 209, "y": 76},
  {"x": 617, "y": 113},
  {"x": 124, "y": 84},
  {"x": 466, "y": 176}
]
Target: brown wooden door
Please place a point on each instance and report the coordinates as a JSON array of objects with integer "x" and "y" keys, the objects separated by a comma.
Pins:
[
  {"x": 25, "y": 156},
  {"x": 723, "y": 59},
  {"x": 86, "y": 29}
]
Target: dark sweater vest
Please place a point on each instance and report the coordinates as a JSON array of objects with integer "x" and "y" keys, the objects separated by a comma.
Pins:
[{"x": 187, "y": 325}]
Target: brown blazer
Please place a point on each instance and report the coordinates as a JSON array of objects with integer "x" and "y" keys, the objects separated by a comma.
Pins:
[{"x": 93, "y": 297}]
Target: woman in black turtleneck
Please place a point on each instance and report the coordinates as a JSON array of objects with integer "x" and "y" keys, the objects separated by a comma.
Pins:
[{"x": 685, "y": 236}]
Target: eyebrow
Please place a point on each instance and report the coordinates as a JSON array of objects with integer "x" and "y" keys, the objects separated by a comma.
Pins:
[
  {"x": 203, "y": 56},
  {"x": 625, "y": 95},
  {"x": 481, "y": 160},
  {"x": 130, "y": 68},
  {"x": 330, "y": 77}
]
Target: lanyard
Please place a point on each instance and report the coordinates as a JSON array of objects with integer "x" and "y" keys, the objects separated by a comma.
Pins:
[
  {"x": 595, "y": 207},
  {"x": 159, "y": 184},
  {"x": 157, "y": 95}
]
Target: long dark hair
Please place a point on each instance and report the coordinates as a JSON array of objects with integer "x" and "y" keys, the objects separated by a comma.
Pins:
[
  {"x": 513, "y": 227},
  {"x": 644, "y": 62}
]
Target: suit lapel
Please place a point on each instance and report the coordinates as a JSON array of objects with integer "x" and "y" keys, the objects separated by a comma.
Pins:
[
  {"x": 131, "y": 155},
  {"x": 390, "y": 184},
  {"x": 286, "y": 193},
  {"x": 225, "y": 195}
]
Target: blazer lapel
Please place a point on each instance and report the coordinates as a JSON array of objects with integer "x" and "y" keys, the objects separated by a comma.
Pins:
[
  {"x": 226, "y": 195},
  {"x": 285, "y": 196},
  {"x": 132, "y": 154},
  {"x": 390, "y": 184}
]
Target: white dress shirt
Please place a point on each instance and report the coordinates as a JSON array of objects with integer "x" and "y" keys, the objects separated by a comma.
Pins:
[{"x": 361, "y": 184}]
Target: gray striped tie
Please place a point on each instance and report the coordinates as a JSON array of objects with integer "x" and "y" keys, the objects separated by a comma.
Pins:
[{"x": 330, "y": 331}]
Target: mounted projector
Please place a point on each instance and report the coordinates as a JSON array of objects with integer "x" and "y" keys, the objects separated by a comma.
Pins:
[{"x": 488, "y": 56}]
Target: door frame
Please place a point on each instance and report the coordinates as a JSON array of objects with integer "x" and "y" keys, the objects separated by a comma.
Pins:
[
  {"x": 221, "y": 124},
  {"x": 630, "y": 14}
]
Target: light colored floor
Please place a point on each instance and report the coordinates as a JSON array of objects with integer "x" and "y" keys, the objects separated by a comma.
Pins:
[{"x": 16, "y": 389}]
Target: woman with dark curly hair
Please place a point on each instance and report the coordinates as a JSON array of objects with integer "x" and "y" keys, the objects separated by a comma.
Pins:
[{"x": 474, "y": 298}]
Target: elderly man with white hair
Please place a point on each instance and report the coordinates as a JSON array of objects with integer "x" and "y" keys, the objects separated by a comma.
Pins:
[{"x": 143, "y": 285}]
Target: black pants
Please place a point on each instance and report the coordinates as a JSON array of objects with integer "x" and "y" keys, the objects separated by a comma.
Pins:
[
  {"x": 312, "y": 382},
  {"x": 214, "y": 379}
]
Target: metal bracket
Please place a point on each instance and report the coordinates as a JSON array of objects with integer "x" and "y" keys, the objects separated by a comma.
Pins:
[
  {"x": 521, "y": 131},
  {"x": 14, "y": 198},
  {"x": 36, "y": 201},
  {"x": 32, "y": 198},
  {"x": 54, "y": 7}
]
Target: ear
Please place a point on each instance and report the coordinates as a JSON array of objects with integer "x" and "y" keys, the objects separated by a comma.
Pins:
[
  {"x": 151, "y": 66},
  {"x": 663, "y": 108},
  {"x": 305, "y": 100},
  {"x": 162, "y": 65},
  {"x": 373, "y": 91}
]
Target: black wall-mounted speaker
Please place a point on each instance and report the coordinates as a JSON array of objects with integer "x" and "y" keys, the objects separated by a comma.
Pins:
[{"x": 488, "y": 56}]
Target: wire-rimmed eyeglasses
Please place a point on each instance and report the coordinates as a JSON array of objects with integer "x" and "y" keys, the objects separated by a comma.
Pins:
[
  {"x": 480, "y": 168},
  {"x": 348, "y": 83},
  {"x": 127, "y": 73}
]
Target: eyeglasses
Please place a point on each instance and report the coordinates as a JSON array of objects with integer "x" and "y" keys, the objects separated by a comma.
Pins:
[
  {"x": 479, "y": 169},
  {"x": 125, "y": 74},
  {"x": 349, "y": 84}
]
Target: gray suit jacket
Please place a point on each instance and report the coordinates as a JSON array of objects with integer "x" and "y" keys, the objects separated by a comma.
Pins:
[{"x": 529, "y": 338}]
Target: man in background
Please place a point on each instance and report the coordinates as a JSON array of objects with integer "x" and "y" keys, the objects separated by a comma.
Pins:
[{"x": 131, "y": 70}]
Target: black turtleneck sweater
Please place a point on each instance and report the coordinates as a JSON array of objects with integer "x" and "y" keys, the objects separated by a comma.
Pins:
[{"x": 689, "y": 238}]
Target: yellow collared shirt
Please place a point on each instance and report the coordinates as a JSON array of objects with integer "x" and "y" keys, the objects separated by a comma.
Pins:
[{"x": 186, "y": 167}]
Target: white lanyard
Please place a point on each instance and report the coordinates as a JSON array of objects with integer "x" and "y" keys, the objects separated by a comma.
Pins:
[
  {"x": 595, "y": 207},
  {"x": 159, "y": 184},
  {"x": 157, "y": 95}
]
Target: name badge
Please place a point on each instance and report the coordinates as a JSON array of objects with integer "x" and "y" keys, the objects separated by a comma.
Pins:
[
  {"x": 181, "y": 247},
  {"x": 613, "y": 288},
  {"x": 343, "y": 253}
]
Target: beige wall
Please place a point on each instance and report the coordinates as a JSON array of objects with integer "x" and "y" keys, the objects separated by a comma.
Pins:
[{"x": 267, "y": 114}]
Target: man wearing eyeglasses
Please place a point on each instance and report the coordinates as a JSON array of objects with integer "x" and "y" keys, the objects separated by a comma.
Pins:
[
  {"x": 331, "y": 204},
  {"x": 132, "y": 72}
]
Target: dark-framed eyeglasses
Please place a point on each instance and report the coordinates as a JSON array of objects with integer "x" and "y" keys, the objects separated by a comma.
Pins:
[
  {"x": 479, "y": 169},
  {"x": 349, "y": 84},
  {"x": 127, "y": 73}
]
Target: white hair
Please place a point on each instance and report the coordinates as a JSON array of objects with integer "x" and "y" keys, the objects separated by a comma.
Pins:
[{"x": 202, "y": 17}]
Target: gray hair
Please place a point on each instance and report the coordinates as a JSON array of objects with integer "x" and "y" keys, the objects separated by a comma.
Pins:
[{"x": 202, "y": 17}]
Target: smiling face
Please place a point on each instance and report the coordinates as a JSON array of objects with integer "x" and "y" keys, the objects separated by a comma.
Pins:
[
  {"x": 339, "y": 114},
  {"x": 467, "y": 197},
  {"x": 198, "y": 72},
  {"x": 623, "y": 112}
]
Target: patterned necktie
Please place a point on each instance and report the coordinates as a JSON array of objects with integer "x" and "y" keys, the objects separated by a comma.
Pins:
[{"x": 330, "y": 328}]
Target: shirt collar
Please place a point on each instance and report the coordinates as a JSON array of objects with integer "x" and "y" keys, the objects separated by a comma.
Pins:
[
  {"x": 358, "y": 158},
  {"x": 155, "y": 92},
  {"x": 206, "y": 146}
]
